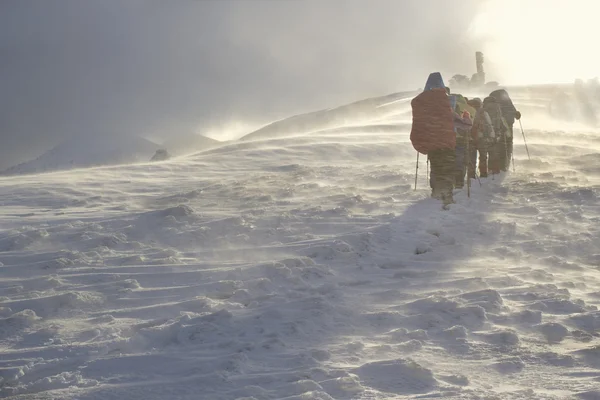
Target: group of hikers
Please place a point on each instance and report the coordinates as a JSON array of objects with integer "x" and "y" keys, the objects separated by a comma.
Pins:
[{"x": 452, "y": 130}]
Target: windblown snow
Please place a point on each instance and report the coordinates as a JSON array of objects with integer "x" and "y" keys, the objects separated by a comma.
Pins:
[
  {"x": 89, "y": 151},
  {"x": 187, "y": 143},
  {"x": 306, "y": 267}
]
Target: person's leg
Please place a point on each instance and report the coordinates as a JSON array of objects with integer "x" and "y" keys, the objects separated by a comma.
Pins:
[
  {"x": 434, "y": 164},
  {"x": 431, "y": 173},
  {"x": 494, "y": 161},
  {"x": 483, "y": 161},
  {"x": 502, "y": 154},
  {"x": 472, "y": 161},
  {"x": 447, "y": 174},
  {"x": 460, "y": 170},
  {"x": 509, "y": 151}
]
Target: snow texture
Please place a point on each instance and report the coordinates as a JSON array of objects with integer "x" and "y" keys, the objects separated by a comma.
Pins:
[{"x": 303, "y": 265}]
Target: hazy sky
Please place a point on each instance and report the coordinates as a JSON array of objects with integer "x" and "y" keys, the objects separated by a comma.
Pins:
[
  {"x": 155, "y": 67},
  {"x": 152, "y": 66}
]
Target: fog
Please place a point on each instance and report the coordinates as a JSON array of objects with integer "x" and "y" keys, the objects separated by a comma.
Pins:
[{"x": 220, "y": 68}]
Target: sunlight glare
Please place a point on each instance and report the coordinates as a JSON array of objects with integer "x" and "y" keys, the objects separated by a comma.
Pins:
[{"x": 539, "y": 41}]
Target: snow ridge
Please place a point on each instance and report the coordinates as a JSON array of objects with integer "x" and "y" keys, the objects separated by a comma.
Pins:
[{"x": 88, "y": 151}]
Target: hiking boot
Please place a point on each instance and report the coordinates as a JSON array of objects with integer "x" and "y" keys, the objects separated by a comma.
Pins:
[
  {"x": 447, "y": 198},
  {"x": 436, "y": 194}
]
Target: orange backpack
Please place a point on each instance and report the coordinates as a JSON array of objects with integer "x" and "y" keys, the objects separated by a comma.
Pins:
[{"x": 433, "y": 122}]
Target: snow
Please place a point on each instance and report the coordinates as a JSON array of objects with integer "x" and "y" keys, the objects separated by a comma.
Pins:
[
  {"x": 357, "y": 113},
  {"x": 305, "y": 267},
  {"x": 183, "y": 144},
  {"x": 89, "y": 150}
]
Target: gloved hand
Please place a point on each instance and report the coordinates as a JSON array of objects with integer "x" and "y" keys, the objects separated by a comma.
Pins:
[{"x": 518, "y": 115}]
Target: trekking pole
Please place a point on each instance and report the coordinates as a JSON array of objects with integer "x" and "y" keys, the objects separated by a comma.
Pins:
[
  {"x": 513, "y": 161},
  {"x": 475, "y": 173},
  {"x": 478, "y": 180},
  {"x": 417, "y": 171},
  {"x": 468, "y": 187},
  {"x": 524, "y": 140},
  {"x": 468, "y": 156},
  {"x": 506, "y": 162}
]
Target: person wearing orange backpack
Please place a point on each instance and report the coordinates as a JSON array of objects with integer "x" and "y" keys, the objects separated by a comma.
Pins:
[{"x": 433, "y": 134}]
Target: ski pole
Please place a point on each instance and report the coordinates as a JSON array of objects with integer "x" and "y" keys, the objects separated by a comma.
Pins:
[
  {"x": 478, "y": 180},
  {"x": 494, "y": 151},
  {"x": 506, "y": 162},
  {"x": 475, "y": 172},
  {"x": 468, "y": 187},
  {"x": 512, "y": 156},
  {"x": 468, "y": 156},
  {"x": 417, "y": 171},
  {"x": 513, "y": 159},
  {"x": 524, "y": 140}
]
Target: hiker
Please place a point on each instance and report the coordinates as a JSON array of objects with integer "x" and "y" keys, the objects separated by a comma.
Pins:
[
  {"x": 483, "y": 137},
  {"x": 463, "y": 124},
  {"x": 498, "y": 150},
  {"x": 510, "y": 113},
  {"x": 433, "y": 134}
]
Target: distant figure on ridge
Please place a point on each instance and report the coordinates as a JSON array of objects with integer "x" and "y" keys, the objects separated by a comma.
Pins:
[{"x": 161, "y": 155}]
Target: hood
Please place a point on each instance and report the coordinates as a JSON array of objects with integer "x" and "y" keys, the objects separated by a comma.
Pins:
[{"x": 435, "y": 81}]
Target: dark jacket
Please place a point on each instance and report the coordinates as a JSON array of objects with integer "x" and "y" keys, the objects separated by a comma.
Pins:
[
  {"x": 509, "y": 111},
  {"x": 494, "y": 110}
]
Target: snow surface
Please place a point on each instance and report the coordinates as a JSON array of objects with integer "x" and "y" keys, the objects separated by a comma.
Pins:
[
  {"x": 87, "y": 151},
  {"x": 308, "y": 268}
]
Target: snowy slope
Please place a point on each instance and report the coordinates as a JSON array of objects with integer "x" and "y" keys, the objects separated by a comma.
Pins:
[
  {"x": 189, "y": 143},
  {"x": 87, "y": 151},
  {"x": 359, "y": 112},
  {"x": 305, "y": 268}
]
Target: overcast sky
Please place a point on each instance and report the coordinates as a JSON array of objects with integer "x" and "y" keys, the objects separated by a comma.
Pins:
[{"x": 154, "y": 67}]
